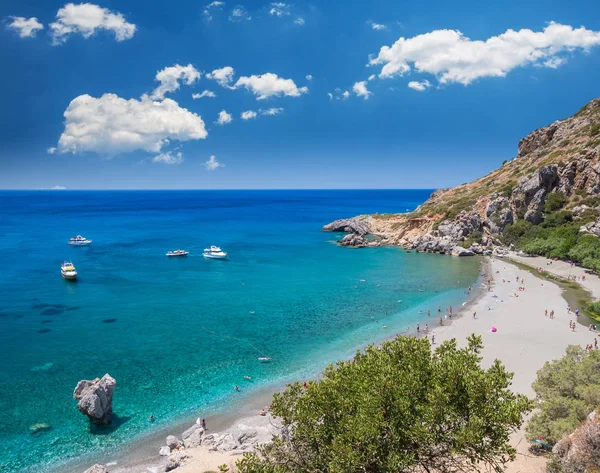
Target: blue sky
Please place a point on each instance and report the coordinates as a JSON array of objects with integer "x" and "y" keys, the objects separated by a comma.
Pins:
[{"x": 82, "y": 107}]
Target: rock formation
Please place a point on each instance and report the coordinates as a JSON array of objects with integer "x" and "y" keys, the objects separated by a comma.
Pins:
[
  {"x": 95, "y": 398},
  {"x": 96, "y": 469},
  {"x": 559, "y": 158},
  {"x": 580, "y": 451}
]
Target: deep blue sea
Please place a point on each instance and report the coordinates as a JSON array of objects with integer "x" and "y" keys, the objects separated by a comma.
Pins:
[{"x": 178, "y": 334}]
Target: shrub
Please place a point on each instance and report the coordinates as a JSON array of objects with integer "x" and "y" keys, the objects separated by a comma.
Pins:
[{"x": 555, "y": 201}]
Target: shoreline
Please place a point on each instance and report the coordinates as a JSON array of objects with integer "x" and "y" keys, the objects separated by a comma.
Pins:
[{"x": 141, "y": 455}]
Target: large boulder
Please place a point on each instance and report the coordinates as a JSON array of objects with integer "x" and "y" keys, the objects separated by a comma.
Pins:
[
  {"x": 535, "y": 210},
  {"x": 461, "y": 226},
  {"x": 357, "y": 225},
  {"x": 95, "y": 398},
  {"x": 537, "y": 139},
  {"x": 193, "y": 439},
  {"x": 460, "y": 251},
  {"x": 173, "y": 442},
  {"x": 498, "y": 214},
  {"x": 353, "y": 240}
]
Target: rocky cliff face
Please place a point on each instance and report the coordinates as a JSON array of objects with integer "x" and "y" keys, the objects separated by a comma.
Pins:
[{"x": 560, "y": 158}]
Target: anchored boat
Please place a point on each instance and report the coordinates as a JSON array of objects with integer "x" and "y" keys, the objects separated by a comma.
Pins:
[
  {"x": 79, "y": 241},
  {"x": 67, "y": 270},
  {"x": 177, "y": 253},
  {"x": 214, "y": 252}
]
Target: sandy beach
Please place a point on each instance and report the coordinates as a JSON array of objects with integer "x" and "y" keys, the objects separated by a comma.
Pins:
[{"x": 525, "y": 339}]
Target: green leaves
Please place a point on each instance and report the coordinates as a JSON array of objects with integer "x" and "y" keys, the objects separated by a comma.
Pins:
[{"x": 396, "y": 408}]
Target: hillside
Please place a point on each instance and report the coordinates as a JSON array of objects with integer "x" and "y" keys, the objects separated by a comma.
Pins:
[{"x": 552, "y": 183}]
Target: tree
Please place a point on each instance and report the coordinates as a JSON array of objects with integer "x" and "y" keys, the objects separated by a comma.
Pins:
[
  {"x": 567, "y": 390},
  {"x": 400, "y": 407}
]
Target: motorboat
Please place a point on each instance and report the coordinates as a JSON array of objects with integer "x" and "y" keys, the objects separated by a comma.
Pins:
[
  {"x": 79, "y": 241},
  {"x": 264, "y": 359},
  {"x": 67, "y": 270},
  {"x": 214, "y": 252},
  {"x": 177, "y": 253}
]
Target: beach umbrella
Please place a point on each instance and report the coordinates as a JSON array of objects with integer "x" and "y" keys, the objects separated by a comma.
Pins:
[{"x": 494, "y": 329}]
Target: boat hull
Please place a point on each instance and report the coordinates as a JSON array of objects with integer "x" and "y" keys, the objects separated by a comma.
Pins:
[
  {"x": 80, "y": 243},
  {"x": 177, "y": 256},
  {"x": 215, "y": 256},
  {"x": 69, "y": 276}
]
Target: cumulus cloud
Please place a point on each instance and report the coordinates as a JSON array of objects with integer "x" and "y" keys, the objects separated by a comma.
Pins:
[
  {"x": 25, "y": 27},
  {"x": 111, "y": 124},
  {"x": 169, "y": 158},
  {"x": 271, "y": 111},
  {"x": 51, "y": 150},
  {"x": 224, "y": 118},
  {"x": 86, "y": 19},
  {"x": 169, "y": 79},
  {"x": 360, "y": 89},
  {"x": 248, "y": 114},
  {"x": 455, "y": 58},
  {"x": 371, "y": 77},
  {"x": 239, "y": 14},
  {"x": 309, "y": 77},
  {"x": 212, "y": 164},
  {"x": 420, "y": 86},
  {"x": 299, "y": 21},
  {"x": 377, "y": 26},
  {"x": 279, "y": 9},
  {"x": 346, "y": 94},
  {"x": 270, "y": 85},
  {"x": 223, "y": 76},
  {"x": 205, "y": 93}
]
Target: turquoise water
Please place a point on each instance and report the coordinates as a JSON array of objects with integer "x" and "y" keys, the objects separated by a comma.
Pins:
[{"x": 178, "y": 334}]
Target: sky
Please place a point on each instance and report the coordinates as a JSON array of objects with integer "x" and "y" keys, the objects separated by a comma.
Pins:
[{"x": 151, "y": 94}]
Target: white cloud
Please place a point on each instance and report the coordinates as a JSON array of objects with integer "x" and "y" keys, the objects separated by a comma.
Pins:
[
  {"x": 309, "y": 77},
  {"x": 419, "y": 86},
  {"x": 346, "y": 94},
  {"x": 330, "y": 95},
  {"x": 453, "y": 57},
  {"x": 270, "y": 85},
  {"x": 205, "y": 93},
  {"x": 271, "y": 111},
  {"x": 215, "y": 4},
  {"x": 25, "y": 27},
  {"x": 111, "y": 124},
  {"x": 223, "y": 76},
  {"x": 169, "y": 79},
  {"x": 360, "y": 89},
  {"x": 248, "y": 114},
  {"x": 279, "y": 9},
  {"x": 224, "y": 118},
  {"x": 554, "y": 62},
  {"x": 299, "y": 21},
  {"x": 58, "y": 188},
  {"x": 212, "y": 164},
  {"x": 377, "y": 26},
  {"x": 239, "y": 14},
  {"x": 169, "y": 158},
  {"x": 51, "y": 150},
  {"x": 85, "y": 19},
  {"x": 371, "y": 77},
  {"x": 210, "y": 7}
]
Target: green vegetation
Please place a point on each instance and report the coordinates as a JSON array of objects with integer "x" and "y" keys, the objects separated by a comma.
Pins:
[
  {"x": 397, "y": 408},
  {"x": 555, "y": 201},
  {"x": 567, "y": 389},
  {"x": 474, "y": 237}
]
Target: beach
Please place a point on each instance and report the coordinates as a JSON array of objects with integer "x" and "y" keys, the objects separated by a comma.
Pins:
[{"x": 524, "y": 341}]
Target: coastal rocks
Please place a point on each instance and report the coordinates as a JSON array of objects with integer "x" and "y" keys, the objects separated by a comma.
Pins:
[
  {"x": 176, "y": 460},
  {"x": 592, "y": 228},
  {"x": 173, "y": 442},
  {"x": 581, "y": 449},
  {"x": 498, "y": 214},
  {"x": 357, "y": 225},
  {"x": 96, "y": 469},
  {"x": 463, "y": 225},
  {"x": 535, "y": 210},
  {"x": 354, "y": 241},
  {"x": 95, "y": 398},
  {"x": 193, "y": 437},
  {"x": 433, "y": 244},
  {"x": 460, "y": 251},
  {"x": 164, "y": 451},
  {"x": 39, "y": 428}
]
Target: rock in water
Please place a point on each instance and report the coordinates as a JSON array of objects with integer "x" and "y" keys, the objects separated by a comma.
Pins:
[
  {"x": 95, "y": 398},
  {"x": 38, "y": 428},
  {"x": 96, "y": 469}
]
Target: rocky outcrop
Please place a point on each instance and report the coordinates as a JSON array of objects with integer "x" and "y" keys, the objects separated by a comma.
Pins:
[
  {"x": 95, "y": 398},
  {"x": 537, "y": 139},
  {"x": 356, "y": 225},
  {"x": 580, "y": 451},
  {"x": 460, "y": 251},
  {"x": 173, "y": 442},
  {"x": 353, "y": 240}
]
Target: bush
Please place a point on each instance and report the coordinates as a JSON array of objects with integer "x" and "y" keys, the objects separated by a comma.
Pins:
[
  {"x": 567, "y": 390},
  {"x": 400, "y": 407},
  {"x": 555, "y": 201},
  {"x": 474, "y": 237}
]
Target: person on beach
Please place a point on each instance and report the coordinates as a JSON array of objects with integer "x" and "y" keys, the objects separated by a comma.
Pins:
[
  {"x": 576, "y": 312},
  {"x": 428, "y": 313},
  {"x": 439, "y": 309},
  {"x": 441, "y": 321},
  {"x": 204, "y": 424},
  {"x": 546, "y": 312},
  {"x": 426, "y": 328},
  {"x": 263, "y": 413},
  {"x": 419, "y": 328},
  {"x": 433, "y": 339},
  {"x": 474, "y": 315}
]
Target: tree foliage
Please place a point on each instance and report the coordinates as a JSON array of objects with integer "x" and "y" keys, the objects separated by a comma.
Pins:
[
  {"x": 567, "y": 390},
  {"x": 398, "y": 408}
]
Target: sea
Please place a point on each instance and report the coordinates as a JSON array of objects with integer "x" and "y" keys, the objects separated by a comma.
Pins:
[{"x": 178, "y": 334}]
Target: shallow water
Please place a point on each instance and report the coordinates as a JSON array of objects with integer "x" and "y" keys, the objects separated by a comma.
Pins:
[{"x": 178, "y": 334}]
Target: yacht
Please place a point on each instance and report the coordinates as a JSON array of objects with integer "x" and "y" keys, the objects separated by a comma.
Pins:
[
  {"x": 177, "y": 253},
  {"x": 79, "y": 241},
  {"x": 214, "y": 252},
  {"x": 67, "y": 270}
]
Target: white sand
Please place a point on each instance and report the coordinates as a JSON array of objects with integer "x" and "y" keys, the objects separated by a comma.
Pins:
[{"x": 524, "y": 341}]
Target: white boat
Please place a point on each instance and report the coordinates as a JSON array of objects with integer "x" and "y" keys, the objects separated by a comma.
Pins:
[
  {"x": 67, "y": 270},
  {"x": 265, "y": 359},
  {"x": 177, "y": 253},
  {"x": 79, "y": 241},
  {"x": 214, "y": 252}
]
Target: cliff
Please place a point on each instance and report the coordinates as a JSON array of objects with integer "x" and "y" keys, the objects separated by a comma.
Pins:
[{"x": 556, "y": 166}]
